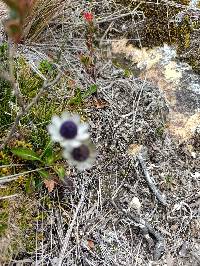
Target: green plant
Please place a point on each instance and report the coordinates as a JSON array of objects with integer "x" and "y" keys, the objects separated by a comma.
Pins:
[
  {"x": 3, "y": 222},
  {"x": 6, "y": 99},
  {"x": 3, "y": 52},
  {"x": 169, "y": 182},
  {"x": 46, "y": 67},
  {"x": 6, "y": 96},
  {"x": 80, "y": 96},
  {"x": 44, "y": 166},
  {"x": 160, "y": 131}
]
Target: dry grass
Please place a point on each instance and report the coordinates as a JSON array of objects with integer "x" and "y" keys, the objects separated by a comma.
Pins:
[
  {"x": 41, "y": 15},
  {"x": 21, "y": 212},
  {"x": 43, "y": 12},
  {"x": 94, "y": 232}
]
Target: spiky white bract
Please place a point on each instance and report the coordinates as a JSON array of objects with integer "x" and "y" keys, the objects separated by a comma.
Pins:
[
  {"x": 68, "y": 130},
  {"x": 82, "y": 157}
]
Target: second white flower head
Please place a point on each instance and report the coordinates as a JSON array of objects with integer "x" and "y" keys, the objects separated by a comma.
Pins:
[{"x": 68, "y": 130}]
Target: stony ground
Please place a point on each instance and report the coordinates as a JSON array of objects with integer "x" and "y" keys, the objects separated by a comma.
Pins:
[{"x": 109, "y": 215}]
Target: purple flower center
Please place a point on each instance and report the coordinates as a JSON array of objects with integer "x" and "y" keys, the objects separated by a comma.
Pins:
[
  {"x": 81, "y": 153},
  {"x": 68, "y": 130}
]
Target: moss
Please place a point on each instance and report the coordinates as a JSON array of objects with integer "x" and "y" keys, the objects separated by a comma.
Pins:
[
  {"x": 6, "y": 96},
  {"x": 17, "y": 219},
  {"x": 6, "y": 99},
  {"x": 184, "y": 32},
  {"x": 4, "y": 159},
  {"x": 187, "y": 49},
  {"x": 40, "y": 116},
  {"x": 3, "y": 222},
  {"x": 33, "y": 125},
  {"x": 3, "y": 52},
  {"x": 160, "y": 28},
  {"x": 47, "y": 68},
  {"x": 194, "y": 62},
  {"x": 183, "y": 2},
  {"x": 160, "y": 131},
  {"x": 29, "y": 82},
  {"x": 196, "y": 24}
]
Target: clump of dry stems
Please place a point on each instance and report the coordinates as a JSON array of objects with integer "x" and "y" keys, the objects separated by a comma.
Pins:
[
  {"x": 27, "y": 19},
  {"x": 43, "y": 11}
]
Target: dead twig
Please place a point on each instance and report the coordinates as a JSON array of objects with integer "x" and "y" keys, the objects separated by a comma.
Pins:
[
  {"x": 9, "y": 178},
  {"x": 150, "y": 182},
  {"x": 9, "y": 196},
  {"x": 12, "y": 80},
  {"x": 113, "y": 17},
  {"x": 68, "y": 235},
  {"x": 10, "y": 76},
  {"x": 146, "y": 229}
]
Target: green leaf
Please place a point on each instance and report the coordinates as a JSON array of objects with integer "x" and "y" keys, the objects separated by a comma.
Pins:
[
  {"x": 48, "y": 155},
  {"x": 92, "y": 89},
  {"x": 26, "y": 154},
  {"x": 80, "y": 96},
  {"x": 28, "y": 185},
  {"x": 48, "y": 150},
  {"x": 38, "y": 183},
  {"x": 77, "y": 99},
  {"x": 60, "y": 170},
  {"x": 50, "y": 158},
  {"x": 43, "y": 174}
]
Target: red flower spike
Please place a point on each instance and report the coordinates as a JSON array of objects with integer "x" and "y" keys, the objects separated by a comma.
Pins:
[{"x": 88, "y": 16}]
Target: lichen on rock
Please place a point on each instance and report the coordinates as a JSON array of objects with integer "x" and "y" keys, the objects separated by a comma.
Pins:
[{"x": 176, "y": 80}]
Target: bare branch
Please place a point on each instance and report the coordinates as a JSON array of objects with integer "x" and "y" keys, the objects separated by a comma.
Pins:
[
  {"x": 9, "y": 196},
  {"x": 146, "y": 229},
  {"x": 68, "y": 235},
  {"x": 150, "y": 182},
  {"x": 10, "y": 178}
]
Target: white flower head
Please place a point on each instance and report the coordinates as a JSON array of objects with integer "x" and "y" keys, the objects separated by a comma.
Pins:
[
  {"x": 82, "y": 157},
  {"x": 68, "y": 130}
]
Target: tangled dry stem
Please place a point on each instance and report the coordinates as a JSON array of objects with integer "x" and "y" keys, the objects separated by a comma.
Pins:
[{"x": 133, "y": 112}]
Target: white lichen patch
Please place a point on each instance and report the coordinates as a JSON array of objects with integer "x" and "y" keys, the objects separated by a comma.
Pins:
[
  {"x": 182, "y": 126},
  {"x": 3, "y": 10},
  {"x": 171, "y": 72},
  {"x": 134, "y": 149},
  {"x": 158, "y": 65},
  {"x": 144, "y": 58},
  {"x": 135, "y": 204}
]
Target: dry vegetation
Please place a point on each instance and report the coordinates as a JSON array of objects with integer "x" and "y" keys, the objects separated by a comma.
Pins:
[{"x": 140, "y": 203}]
